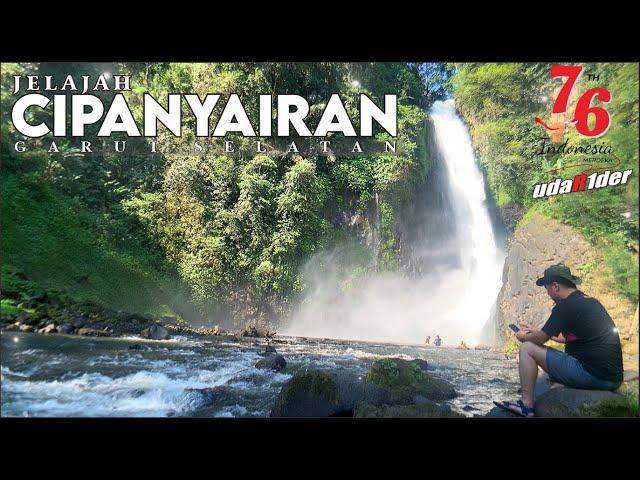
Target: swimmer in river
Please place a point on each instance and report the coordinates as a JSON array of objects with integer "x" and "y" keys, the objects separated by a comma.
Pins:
[
  {"x": 428, "y": 340},
  {"x": 438, "y": 341}
]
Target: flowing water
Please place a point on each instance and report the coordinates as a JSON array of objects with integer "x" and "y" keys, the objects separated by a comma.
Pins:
[
  {"x": 63, "y": 375},
  {"x": 456, "y": 265},
  {"x": 456, "y": 278}
]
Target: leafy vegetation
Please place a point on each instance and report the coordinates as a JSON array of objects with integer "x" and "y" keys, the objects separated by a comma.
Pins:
[
  {"x": 626, "y": 406},
  {"x": 500, "y": 101},
  {"x": 203, "y": 235}
]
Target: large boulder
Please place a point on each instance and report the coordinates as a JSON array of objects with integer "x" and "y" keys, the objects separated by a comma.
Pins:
[
  {"x": 497, "y": 412},
  {"x": 571, "y": 402},
  {"x": 272, "y": 362},
  {"x": 65, "y": 328},
  {"x": 390, "y": 382},
  {"x": 535, "y": 245},
  {"x": 268, "y": 349},
  {"x": 426, "y": 409},
  {"x": 408, "y": 379},
  {"x": 309, "y": 393},
  {"x": 155, "y": 332}
]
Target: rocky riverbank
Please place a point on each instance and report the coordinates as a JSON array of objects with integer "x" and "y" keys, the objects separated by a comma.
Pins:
[
  {"x": 51, "y": 312},
  {"x": 393, "y": 387},
  {"x": 539, "y": 243},
  {"x": 563, "y": 402},
  {"x": 390, "y": 386}
]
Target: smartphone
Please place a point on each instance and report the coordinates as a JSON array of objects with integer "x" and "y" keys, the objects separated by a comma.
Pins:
[{"x": 514, "y": 327}]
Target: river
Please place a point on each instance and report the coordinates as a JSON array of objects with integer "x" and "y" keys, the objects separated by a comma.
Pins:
[{"x": 66, "y": 376}]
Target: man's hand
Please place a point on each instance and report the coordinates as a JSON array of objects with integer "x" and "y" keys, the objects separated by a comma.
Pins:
[
  {"x": 532, "y": 335},
  {"x": 525, "y": 325}
]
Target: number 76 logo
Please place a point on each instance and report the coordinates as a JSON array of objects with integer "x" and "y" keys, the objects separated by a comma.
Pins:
[{"x": 583, "y": 107}]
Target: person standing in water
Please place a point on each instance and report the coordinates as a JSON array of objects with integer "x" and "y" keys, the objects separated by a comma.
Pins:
[
  {"x": 428, "y": 340},
  {"x": 438, "y": 341}
]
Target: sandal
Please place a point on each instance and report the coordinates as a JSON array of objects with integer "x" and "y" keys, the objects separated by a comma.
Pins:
[{"x": 525, "y": 411}]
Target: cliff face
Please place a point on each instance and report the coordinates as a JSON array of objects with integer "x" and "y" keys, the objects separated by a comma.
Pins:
[{"x": 542, "y": 242}]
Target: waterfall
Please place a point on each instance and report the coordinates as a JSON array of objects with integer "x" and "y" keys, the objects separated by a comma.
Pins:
[
  {"x": 454, "y": 268},
  {"x": 480, "y": 256}
]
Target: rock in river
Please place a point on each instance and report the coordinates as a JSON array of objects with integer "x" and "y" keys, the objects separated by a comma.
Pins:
[
  {"x": 272, "y": 362},
  {"x": 309, "y": 393},
  {"x": 155, "y": 332},
  {"x": 408, "y": 379},
  {"x": 65, "y": 328},
  {"x": 92, "y": 332},
  {"x": 571, "y": 402},
  {"x": 426, "y": 409},
  {"x": 315, "y": 393}
]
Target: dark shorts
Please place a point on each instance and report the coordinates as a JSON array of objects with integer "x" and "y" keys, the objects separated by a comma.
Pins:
[{"x": 567, "y": 370}]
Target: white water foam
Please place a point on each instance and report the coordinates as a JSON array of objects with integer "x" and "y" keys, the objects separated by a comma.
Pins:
[{"x": 452, "y": 300}]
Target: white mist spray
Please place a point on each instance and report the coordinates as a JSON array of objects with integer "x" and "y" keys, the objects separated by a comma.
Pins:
[{"x": 453, "y": 300}]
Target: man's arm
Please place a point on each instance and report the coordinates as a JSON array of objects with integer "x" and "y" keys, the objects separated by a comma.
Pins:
[
  {"x": 532, "y": 335},
  {"x": 559, "y": 339}
]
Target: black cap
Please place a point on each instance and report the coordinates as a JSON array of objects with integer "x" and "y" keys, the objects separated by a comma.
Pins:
[{"x": 554, "y": 271}]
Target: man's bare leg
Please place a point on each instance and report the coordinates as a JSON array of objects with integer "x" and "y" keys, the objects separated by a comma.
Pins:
[{"x": 531, "y": 356}]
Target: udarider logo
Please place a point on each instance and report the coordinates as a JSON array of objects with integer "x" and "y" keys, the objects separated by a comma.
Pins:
[{"x": 583, "y": 109}]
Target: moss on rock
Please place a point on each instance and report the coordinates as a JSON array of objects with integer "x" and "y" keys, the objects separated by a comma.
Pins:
[
  {"x": 428, "y": 409},
  {"x": 406, "y": 378},
  {"x": 308, "y": 393}
]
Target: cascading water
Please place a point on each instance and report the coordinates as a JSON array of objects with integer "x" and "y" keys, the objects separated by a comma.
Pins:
[
  {"x": 481, "y": 258},
  {"x": 454, "y": 269}
]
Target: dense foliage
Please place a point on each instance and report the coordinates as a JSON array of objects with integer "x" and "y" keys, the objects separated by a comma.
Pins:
[
  {"x": 500, "y": 101},
  {"x": 234, "y": 230}
]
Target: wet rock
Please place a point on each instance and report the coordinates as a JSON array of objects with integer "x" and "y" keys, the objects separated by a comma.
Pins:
[
  {"x": 483, "y": 347},
  {"x": 408, "y": 379},
  {"x": 571, "y": 402},
  {"x": 24, "y": 318},
  {"x": 538, "y": 243},
  {"x": 421, "y": 363},
  {"x": 497, "y": 412},
  {"x": 469, "y": 408},
  {"x": 256, "y": 332},
  {"x": 269, "y": 349},
  {"x": 92, "y": 332},
  {"x": 79, "y": 322},
  {"x": 155, "y": 332},
  {"x": 309, "y": 393},
  {"x": 426, "y": 409},
  {"x": 135, "y": 346},
  {"x": 314, "y": 393},
  {"x": 66, "y": 328},
  {"x": 229, "y": 338},
  {"x": 14, "y": 327},
  {"x": 272, "y": 362},
  {"x": 26, "y": 328},
  {"x": 50, "y": 328},
  {"x": 511, "y": 214}
]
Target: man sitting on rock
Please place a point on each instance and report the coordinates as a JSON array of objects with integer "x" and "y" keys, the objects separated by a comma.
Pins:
[{"x": 593, "y": 354}]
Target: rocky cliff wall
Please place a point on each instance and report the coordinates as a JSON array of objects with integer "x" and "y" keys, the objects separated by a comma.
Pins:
[{"x": 539, "y": 243}]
